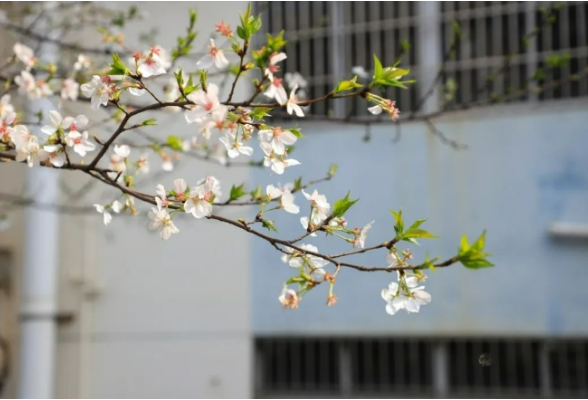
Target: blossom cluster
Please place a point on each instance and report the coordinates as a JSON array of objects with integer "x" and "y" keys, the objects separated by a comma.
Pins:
[{"x": 225, "y": 129}]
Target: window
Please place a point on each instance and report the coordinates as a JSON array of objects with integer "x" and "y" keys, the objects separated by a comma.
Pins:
[
  {"x": 426, "y": 367},
  {"x": 508, "y": 50}
]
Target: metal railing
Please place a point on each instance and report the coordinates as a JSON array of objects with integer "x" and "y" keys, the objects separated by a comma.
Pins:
[
  {"x": 421, "y": 367},
  {"x": 509, "y": 40}
]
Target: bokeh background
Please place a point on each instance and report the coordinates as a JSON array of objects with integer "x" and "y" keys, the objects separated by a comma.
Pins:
[{"x": 198, "y": 316}]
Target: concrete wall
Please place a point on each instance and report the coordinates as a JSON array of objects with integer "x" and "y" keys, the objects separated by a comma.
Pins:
[
  {"x": 526, "y": 167},
  {"x": 171, "y": 318}
]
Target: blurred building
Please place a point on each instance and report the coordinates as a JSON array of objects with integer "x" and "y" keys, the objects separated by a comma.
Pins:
[{"x": 198, "y": 316}]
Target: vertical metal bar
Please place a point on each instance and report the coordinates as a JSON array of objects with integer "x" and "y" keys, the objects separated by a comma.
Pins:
[
  {"x": 581, "y": 36},
  {"x": 400, "y": 371},
  {"x": 429, "y": 56},
  {"x": 404, "y": 12},
  {"x": 305, "y": 49},
  {"x": 440, "y": 370},
  {"x": 497, "y": 50},
  {"x": 531, "y": 58},
  {"x": 337, "y": 52},
  {"x": 481, "y": 52},
  {"x": 345, "y": 376},
  {"x": 564, "y": 44},
  {"x": 297, "y": 383},
  {"x": 545, "y": 370},
  {"x": 289, "y": 10},
  {"x": 318, "y": 55},
  {"x": 547, "y": 35},
  {"x": 310, "y": 366},
  {"x": 259, "y": 371},
  {"x": 514, "y": 81}
]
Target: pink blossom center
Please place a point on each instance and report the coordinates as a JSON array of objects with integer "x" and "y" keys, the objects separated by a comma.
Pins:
[
  {"x": 277, "y": 82},
  {"x": 208, "y": 196}
]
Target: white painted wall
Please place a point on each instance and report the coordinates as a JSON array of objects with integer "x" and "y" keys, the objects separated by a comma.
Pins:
[{"x": 172, "y": 318}]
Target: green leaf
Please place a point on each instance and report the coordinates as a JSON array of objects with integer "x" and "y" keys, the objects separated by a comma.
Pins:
[
  {"x": 341, "y": 206},
  {"x": 377, "y": 68},
  {"x": 464, "y": 245},
  {"x": 193, "y": 17},
  {"x": 259, "y": 113},
  {"x": 476, "y": 264},
  {"x": 269, "y": 225},
  {"x": 255, "y": 24},
  {"x": 275, "y": 43},
  {"x": 347, "y": 85},
  {"x": 179, "y": 77},
  {"x": 333, "y": 169},
  {"x": 296, "y": 132},
  {"x": 237, "y": 192},
  {"x": 417, "y": 233},
  {"x": 297, "y": 185},
  {"x": 473, "y": 257},
  {"x": 417, "y": 223},
  {"x": 295, "y": 279},
  {"x": 257, "y": 193},
  {"x": 478, "y": 245},
  {"x": 399, "y": 227},
  {"x": 175, "y": 143},
  {"x": 149, "y": 122},
  {"x": 117, "y": 67}
]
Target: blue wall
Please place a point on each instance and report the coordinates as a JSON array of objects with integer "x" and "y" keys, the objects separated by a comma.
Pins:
[{"x": 525, "y": 168}]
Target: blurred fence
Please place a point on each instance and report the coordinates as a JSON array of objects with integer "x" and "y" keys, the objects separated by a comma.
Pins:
[
  {"x": 506, "y": 46},
  {"x": 421, "y": 367}
]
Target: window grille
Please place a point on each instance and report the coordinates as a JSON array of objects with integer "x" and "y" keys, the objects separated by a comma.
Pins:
[
  {"x": 421, "y": 367},
  {"x": 493, "y": 32}
]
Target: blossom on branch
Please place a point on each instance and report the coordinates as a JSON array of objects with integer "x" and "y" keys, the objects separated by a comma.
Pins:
[
  {"x": 214, "y": 57},
  {"x": 160, "y": 219}
]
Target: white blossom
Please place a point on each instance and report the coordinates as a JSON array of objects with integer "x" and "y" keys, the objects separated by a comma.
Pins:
[
  {"x": 82, "y": 62},
  {"x": 292, "y": 104},
  {"x": 392, "y": 260},
  {"x": 234, "y": 146},
  {"x": 273, "y": 67},
  {"x": 58, "y": 122},
  {"x": 215, "y": 56},
  {"x": 286, "y": 198},
  {"x": 31, "y": 88},
  {"x": 276, "y": 91},
  {"x": 143, "y": 165},
  {"x": 153, "y": 62},
  {"x": 308, "y": 262},
  {"x": 122, "y": 151},
  {"x": 201, "y": 197},
  {"x": 278, "y": 138},
  {"x": 56, "y": 157},
  {"x": 79, "y": 142},
  {"x": 295, "y": 79},
  {"x": 405, "y": 295},
  {"x": 362, "y": 235},
  {"x": 25, "y": 54},
  {"x": 360, "y": 71},
  {"x": 160, "y": 219},
  {"x": 6, "y": 108},
  {"x": 206, "y": 103},
  {"x": 115, "y": 206},
  {"x": 277, "y": 163},
  {"x": 99, "y": 91},
  {"x": 69, "y": 89},
  {"x": 289, "y": 298},
  {"x": 318, "y": 203}
]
